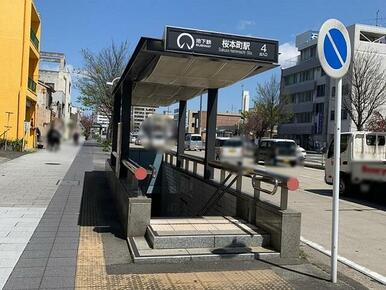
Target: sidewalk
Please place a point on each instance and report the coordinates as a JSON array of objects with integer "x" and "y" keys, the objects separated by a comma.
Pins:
[
  {"x": 27, "y": 185},
  {"x": 77, "y": 244}
]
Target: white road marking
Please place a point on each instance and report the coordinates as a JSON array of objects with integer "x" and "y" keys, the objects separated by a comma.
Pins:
[
  {"x": 335, "y": 49},
  {"x": 376, "y": 276}
]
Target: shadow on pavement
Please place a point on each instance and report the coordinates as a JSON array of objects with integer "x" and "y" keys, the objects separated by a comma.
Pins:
[
  {"x": 288, "y": 268},
  {"x": 97, "y": 207},
  {"x": 371, "y": 200}
]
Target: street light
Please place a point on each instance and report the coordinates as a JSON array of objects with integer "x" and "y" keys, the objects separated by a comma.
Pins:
[{"x": 112, "y": 82}]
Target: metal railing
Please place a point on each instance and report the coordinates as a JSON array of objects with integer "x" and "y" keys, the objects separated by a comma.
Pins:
[
  {"x": 257, "y": 177},
  {"x": 31, "y": 85},
  {"x": 34, "y": 39},
  {"x": 137, "y": 174}
]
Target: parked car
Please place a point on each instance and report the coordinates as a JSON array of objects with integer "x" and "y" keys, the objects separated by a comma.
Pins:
[
  {"x": 301, "y": 154},
  {"x": 231, "y": 151},
  {"x": 274, "y": 151},
  {"x": 218, "y": 145},
  {"x": 133, "y": 137},
  {"x": 193, "y": 142},
  {"x": 138, "y": 140}
]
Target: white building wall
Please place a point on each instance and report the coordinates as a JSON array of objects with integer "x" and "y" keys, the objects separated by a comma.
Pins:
[
  {"x": 359, "y": 46},
  {"x": 56, "y": 72}
]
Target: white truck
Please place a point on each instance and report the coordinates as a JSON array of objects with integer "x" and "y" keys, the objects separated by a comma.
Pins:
[{"x": 362, "y": 162}]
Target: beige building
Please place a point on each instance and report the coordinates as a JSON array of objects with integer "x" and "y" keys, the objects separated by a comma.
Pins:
[{"x": 44, "y": 114}]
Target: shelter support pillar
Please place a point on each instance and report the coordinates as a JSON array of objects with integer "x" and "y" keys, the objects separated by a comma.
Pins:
[
  {"x": 181, "y": 132},
  {"x": 211, "y": 123},
  {"x": 126, "y": 93},
  {"x": 115, "y": 120}
]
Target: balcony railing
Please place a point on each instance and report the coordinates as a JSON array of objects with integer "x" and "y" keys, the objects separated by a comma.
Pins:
[
  {"x": 34, "y": 39},
  {"x": 31, "y": 85}
]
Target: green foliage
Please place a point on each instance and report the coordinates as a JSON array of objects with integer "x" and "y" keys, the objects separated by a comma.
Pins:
[
  {"x": 106, "y": 144},
  {"x": 12, "y": 145}
]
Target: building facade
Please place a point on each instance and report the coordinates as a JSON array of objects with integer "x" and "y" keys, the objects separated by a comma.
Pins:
[
  {"x": 102, "y": 120},
  {"x": 139, "y": 114},
  {"x": 227, "y": 123},
  {"x": 44, "y": 113},
  {"x": 310, "y": 93},
  {"x": 20, "y": 28},
  {"x": 55, "y": 73}
]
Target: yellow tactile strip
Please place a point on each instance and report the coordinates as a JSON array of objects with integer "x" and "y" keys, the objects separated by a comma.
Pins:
[{"x": 91, "y": 274}]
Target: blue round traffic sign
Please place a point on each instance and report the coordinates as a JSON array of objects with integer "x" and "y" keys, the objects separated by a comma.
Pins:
[{"x": 334, "y": 48}]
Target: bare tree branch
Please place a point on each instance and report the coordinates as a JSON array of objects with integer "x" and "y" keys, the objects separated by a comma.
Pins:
[
  {"x": 366, "y": 88},
  {"x": 100, "y": 68},
  {"x": 270, "y": 106}
]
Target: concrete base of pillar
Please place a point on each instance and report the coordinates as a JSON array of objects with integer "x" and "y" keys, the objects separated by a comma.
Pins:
[
  {"x": 284, "y": 227},
  {"x": 133, "y": 212},
  {"x": 138, "y": 216}
]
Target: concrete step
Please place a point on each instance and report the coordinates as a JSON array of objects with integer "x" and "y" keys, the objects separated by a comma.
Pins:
[
  {"x": 204, "y": 232},
  {"x": 142, "y": 253}
]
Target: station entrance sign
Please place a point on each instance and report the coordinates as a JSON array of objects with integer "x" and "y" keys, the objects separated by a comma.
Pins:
[
  {"x": 220, "y": 45},
  {"x": 334, "y": 52}
]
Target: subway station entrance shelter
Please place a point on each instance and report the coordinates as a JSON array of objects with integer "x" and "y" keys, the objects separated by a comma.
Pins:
[
  {"x": 211, "y": 216},
  {"x": 181, "y": 66}
]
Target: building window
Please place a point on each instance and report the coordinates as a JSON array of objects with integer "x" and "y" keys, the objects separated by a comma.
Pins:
[
  {"x": 305, "y": 117},
  {"x": 322, "y": 72},
  {"x": 332, "y": 116},
  {"x": 321, "y": 91},
  {"x": 304, "y": 97},
  {"x": 290, "y": 79},
  {"x": 333, "y": 91},
  {"x": 319, "y": 108},
  {"x": 51, "y": 85}
]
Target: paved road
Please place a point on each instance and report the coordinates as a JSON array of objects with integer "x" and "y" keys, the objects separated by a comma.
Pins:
[
  {"x": 362, "y": 224},
  {"x": 27, "y": 185}
]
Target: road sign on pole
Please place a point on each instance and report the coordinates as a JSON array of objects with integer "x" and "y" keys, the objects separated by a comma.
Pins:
[{"x": 334, "y": 51}]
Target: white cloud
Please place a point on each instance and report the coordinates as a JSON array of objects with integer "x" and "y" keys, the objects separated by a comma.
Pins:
[
  {"x": 244, "y": 24},
  {"x": 288, "y": 53}
]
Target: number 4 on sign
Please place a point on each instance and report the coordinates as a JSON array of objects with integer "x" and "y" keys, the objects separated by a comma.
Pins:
[{"x": 264, "y": 48}]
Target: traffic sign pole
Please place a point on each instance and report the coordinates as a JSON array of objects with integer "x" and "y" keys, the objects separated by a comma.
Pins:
[
  {"x": 335, "y": 202},
  {"x": 334, "y": 52}
]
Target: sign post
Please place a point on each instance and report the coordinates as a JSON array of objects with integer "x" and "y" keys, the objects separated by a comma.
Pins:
[{"x": 334, "y": 51}]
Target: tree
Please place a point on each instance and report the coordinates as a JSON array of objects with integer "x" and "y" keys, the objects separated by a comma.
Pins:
[
  {"x": 87, "y": 123},
  {"x": 270, "y": 107},
  {"x": 100, "y": 68},
  {"x": 377, "y": 122},
  {"x": 254, "y": 123},
  {"x": 366, "y": 90}
]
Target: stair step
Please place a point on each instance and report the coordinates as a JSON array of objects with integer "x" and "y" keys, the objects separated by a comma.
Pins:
[
  {"x": 204, "y": 232},
  {"x": 144, "y": 254}
]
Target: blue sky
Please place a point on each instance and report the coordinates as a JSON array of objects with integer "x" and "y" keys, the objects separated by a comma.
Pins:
[{"x": 70, "y": 25}]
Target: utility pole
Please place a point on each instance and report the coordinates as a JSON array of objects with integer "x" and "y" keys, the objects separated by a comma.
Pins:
[{"x": 377, "y": 18}]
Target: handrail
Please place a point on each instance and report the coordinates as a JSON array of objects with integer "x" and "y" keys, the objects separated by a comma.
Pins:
[
  {"x": 258, "y": 176},
  {"x": 138, "y": 171},
  {"x": 267, "y": 176},
  {"x": 193, "y": 158},
  {"x": 34, "y": 39},
  {"x": 31, "y": 85}
]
